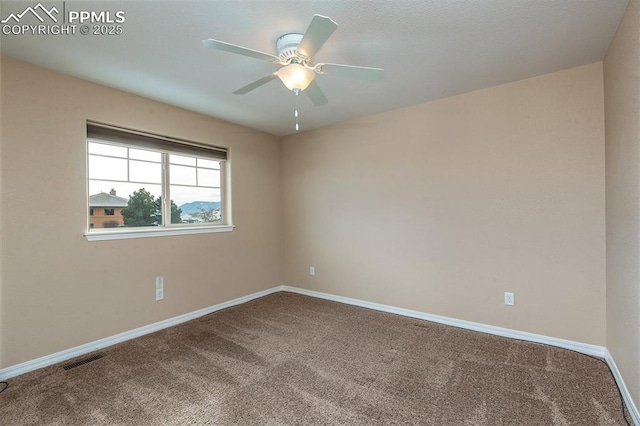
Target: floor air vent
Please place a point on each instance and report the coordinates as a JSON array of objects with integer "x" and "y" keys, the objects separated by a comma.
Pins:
[{"x": 82, "y": 361}]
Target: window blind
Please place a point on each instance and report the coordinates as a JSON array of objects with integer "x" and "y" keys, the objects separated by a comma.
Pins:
[{"x": 122, "y": 136}]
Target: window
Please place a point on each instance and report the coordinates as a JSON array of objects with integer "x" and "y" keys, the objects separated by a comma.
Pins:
[{"x": 151, "y": 185}]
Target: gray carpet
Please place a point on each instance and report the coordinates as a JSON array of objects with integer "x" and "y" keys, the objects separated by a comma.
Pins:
[{"x": 291, "y": 359}]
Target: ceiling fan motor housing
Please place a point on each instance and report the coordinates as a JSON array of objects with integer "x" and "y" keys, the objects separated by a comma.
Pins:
[{"x": 287, "y": 47}]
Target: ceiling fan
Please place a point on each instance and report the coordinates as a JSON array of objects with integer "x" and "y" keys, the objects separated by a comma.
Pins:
[{"x": 295, "y": 55}]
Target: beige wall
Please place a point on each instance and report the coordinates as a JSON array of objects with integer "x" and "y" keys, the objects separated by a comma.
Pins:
[
  {"x": 444, "y": 206},
  {"x": 622, "y": 121},
  {"x": 54, "y": 294}
]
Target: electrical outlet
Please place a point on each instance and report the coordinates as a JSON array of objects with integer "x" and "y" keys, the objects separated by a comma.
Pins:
[
  {"x": 312, "y": 270},
  {"x": 509, "y": 299},
  {"x": 159, "y": 288}
]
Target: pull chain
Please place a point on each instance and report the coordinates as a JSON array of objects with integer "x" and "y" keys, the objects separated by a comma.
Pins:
[{"x": 295, "y": 110}]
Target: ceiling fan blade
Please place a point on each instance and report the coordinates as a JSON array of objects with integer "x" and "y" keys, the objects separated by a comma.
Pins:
[
  {"x": 320, "y": 29},
  {"x": 239, "y": 50},
  {"x": 315, "y": 94},
  {"x": 351, "y": 71},
  {"x": 249, "y": 87}
]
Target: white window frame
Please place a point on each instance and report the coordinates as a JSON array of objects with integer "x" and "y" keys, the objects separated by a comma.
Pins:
[{"x": 118, "y": 136}]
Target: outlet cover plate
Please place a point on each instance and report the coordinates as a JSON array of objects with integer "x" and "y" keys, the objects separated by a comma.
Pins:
[{"x": 509, "y": 299}]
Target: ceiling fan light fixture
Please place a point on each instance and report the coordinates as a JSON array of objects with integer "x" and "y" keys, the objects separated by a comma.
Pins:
[{"x": 296, "y": 76}]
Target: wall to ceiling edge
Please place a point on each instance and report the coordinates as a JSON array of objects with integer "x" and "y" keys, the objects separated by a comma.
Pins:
[{"x": 59, "y": 290}]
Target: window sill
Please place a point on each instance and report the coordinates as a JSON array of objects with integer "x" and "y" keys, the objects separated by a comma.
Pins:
[{"x": 156, "y": 232}]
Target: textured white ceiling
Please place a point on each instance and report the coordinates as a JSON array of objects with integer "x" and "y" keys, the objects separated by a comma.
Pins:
[{"x": 429, "y": 50}]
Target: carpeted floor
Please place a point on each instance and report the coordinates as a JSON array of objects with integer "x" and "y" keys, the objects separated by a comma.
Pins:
[{"x": 291, "y": 359}]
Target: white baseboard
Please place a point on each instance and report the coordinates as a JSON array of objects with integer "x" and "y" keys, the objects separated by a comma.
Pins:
[
  {"x": 593, "y": 350},
  {"x": 633, "y": 410},
  {"x": 45, "y": 361},
  {"x": 584, "y": 348}
]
